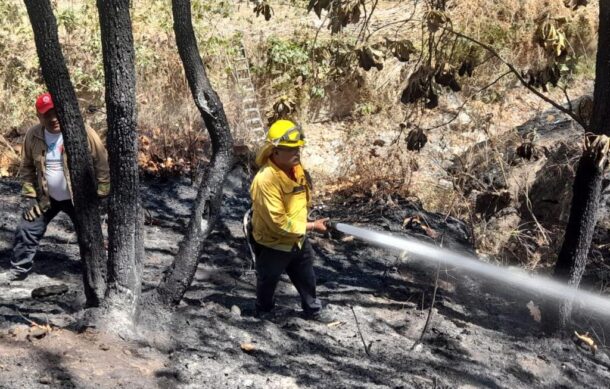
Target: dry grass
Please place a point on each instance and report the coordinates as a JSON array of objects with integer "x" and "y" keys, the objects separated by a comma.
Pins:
[{"x": 363, "y": 104}]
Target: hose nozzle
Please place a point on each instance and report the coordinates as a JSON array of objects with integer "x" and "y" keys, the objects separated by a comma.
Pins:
[{"x": 331, "y": 225}]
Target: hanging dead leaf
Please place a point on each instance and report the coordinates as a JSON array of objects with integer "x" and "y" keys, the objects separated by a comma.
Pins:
[
  {"x": 416, "y": 139},
  {"x": 435, "y": 19},
  {"x": 466, "y": 68},
  {"x": 281, "y": 109},
  {"x": 539, "y": 78},
  {"x": 263, "y": 8},
  {"x": 343, "y": 13},
  {"x": 369, "y": 57},
  {"x": 318, "y": 5},
  {"x": 574, "y": 4},
  {"x": 417, "y": 85},
  {"x": 445, "y": 76},
  {"x": 401, "y": 49},
  {"x": 550, "y": 36}
]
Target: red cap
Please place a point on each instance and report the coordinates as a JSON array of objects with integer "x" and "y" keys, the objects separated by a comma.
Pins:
[{"x": 44, "y": 102}]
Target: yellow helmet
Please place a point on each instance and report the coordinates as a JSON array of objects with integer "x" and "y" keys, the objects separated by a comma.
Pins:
[{"x": 286, "y": 133}]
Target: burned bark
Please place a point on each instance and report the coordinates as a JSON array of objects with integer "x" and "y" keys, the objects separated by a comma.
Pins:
[
  {"x": 82, "y": 177},
  {"x": 587, "y": 187},
  {"x": 124, "y": 228},
  {"x": 206, "y": 209}
]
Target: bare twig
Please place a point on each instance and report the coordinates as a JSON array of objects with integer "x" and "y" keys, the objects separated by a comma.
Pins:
[
  {"x": 8, "y": 146},
  {"x": 425, "y": 329},
  {"x": 520, "y": 77},
  {"x": 26, "y": 319},
  {"x": 528, "y": 203},
  {"x": 365, "y": 27},
  {"x": 313, "y": 45},
  {"x": 459, "y": 110},
  {"x": 367, "y": 349},
  {"x": 497, "y": 154},
  {"x": 564, "y": 89},
  {"x": 403, "y": 22}
]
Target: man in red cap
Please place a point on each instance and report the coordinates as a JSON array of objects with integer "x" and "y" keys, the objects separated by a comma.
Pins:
[{"x": 46, "y": 182}]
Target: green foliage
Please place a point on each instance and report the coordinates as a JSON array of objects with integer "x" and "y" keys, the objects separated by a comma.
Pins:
[
  {"x": 288, "y": 57},
  {"x": 67, "y": 19},
  {"x": 366, "y": 109},
  {"x": 317, "y": 92},
  {"x": 201, "y": 9},
  {"x": 498, "y": 36}
]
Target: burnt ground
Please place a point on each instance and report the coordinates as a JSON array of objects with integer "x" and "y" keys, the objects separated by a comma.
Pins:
[{"x": 480, "y": 335}]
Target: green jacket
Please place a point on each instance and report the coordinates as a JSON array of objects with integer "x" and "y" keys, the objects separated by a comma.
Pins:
[{"x": 33, "y": 158}]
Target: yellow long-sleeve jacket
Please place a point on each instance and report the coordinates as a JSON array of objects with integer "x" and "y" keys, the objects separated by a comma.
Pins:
[{"x": 279, "y": 207}]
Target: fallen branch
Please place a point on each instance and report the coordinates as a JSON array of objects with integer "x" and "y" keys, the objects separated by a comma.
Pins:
[
  {"x": 425, "y": 329},
  {"x": 46, "y": 327},
  {"x": 367, "y": 349}
]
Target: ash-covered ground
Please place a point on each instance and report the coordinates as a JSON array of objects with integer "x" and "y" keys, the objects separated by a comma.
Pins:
[{"x": 481, "y": 334}]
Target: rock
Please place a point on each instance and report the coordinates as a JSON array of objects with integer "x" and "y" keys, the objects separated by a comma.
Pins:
[
  {"x": 46, "y": 380},
  {"x": 51, "y": 290},
  {"x": 247, "y": 347},
  {"x": 248, "y": 383},
  {"x": 235, "y": 310},
  {"x": 602, "y": 358},
  {"x": 332, "y": 285},
  {"x": 61, "y": 321},
  {"x": 38, "y": 332},
  {"x": 104, "y": 347}
]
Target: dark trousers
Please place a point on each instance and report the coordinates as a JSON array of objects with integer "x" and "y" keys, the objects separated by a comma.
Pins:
[
  {"x": 28, "y": 235},
  {"x": 298, "y": 264}
]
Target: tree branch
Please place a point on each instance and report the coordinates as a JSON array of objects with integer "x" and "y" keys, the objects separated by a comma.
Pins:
[
  {"x": 490, "y": 49},
  {"x": 466, "y": 101}
]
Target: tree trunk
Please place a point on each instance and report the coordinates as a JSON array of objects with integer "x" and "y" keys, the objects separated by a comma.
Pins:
[
  {"x": 587, "y": 187},
  {"x": 206, "y": 209},
  {"x": 124, "y": 228},
  {"x": 82, "y": 177}
]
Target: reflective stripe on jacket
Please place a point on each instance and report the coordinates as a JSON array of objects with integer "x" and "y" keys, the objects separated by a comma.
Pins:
[
  {"x": 33, "y": 160},
  {"x": 279, "y": 207}
]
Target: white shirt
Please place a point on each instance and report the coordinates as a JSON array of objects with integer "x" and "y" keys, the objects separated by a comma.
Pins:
[{"x": 54, "y": 167}]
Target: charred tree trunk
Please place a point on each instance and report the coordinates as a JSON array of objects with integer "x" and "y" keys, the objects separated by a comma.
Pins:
[
  {"x": 124, "y": 228},
  {"x": 587, "y": 187},
  {"x": 82, "y": 177},
  {"x": 206, "y": 209}
]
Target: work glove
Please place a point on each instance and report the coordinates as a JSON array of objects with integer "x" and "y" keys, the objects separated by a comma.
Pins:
[
  {"x": 103, "y": 189},
  {"x": 32, "y": 210}
]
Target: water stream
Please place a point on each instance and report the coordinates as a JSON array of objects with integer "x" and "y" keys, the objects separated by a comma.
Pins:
[{"x": 517, "y": 278}]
